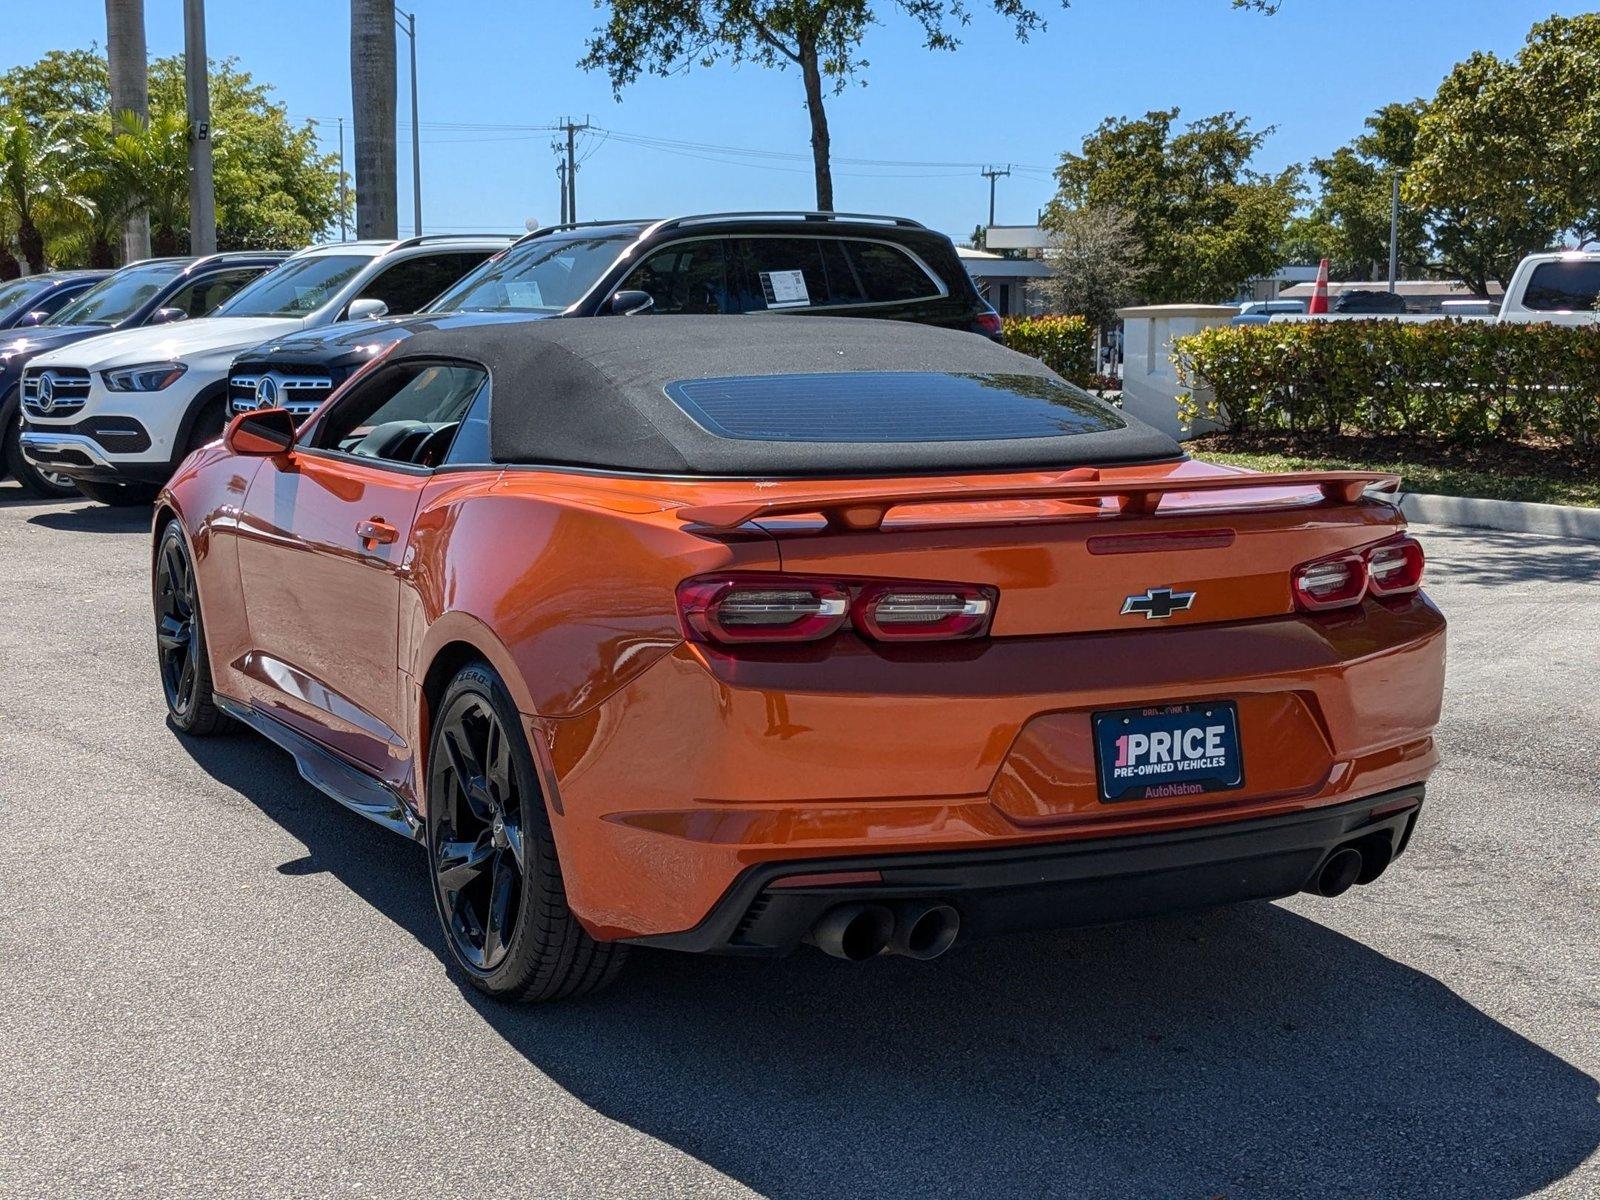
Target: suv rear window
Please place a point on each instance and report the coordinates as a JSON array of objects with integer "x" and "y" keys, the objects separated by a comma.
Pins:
[
  {"x": 888, "y": 274},
  {"x": 1564, "y": 287},
  {"x": 890, "y": 406},
  {"x": 412, "y": 282}
]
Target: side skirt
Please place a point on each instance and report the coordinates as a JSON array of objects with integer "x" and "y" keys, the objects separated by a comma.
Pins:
[{"x": 330, "y": 774}]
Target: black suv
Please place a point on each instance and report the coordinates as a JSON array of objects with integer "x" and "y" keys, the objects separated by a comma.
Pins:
[
  {"x": 150, "y": 292},
  {"x": 838, "y": 264},
  {"x": 34, "y": 299}
]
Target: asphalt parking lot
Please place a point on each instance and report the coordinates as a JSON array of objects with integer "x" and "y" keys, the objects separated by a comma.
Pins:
[{"x": 214, "y": 981}]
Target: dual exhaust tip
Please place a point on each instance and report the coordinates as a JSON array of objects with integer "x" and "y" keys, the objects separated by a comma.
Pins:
[
  {"x": 857, "y": 932},
  {"x": 1358, "y": 862}
]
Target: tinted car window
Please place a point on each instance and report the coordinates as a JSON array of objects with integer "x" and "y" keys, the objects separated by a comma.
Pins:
[
  {"x": 12, "y": 293},
  {"x": 116, "y": 296},
  {"x": 410, "y": 284},
  {"x": 471, "y": 445},
  {"x": 792, "y": 272},
  {"x": 689, "y": 277},
  {"x": 546, "y": 274},
  {"x": 890, "y": 406},
  {"x": 296, "y": 289},
  {"x": 408, "y": 413},
  {"x": 198, "y": 297},
  {"x": 888, "y": 274},
  {"x": 1564, "y": 286}
]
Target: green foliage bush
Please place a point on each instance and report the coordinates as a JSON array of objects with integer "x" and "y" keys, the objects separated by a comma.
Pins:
[
  {"x": 1467, "y": 380},
  {"x": 1064, "y": 344}
]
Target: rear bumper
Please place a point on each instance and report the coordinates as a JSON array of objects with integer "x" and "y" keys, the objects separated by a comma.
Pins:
[{"x": 1088, "y": 882}]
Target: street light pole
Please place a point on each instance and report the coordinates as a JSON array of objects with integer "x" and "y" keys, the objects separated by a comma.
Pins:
[
  {"x": 202, "y": 191},
  {"x": 1394, "y": 231},
  {"x": 409, "y": 28},
  {"x": 344, "y": 195}
]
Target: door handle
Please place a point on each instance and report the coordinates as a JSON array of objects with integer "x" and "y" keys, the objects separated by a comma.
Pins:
[{"x": 376, "y": 532}]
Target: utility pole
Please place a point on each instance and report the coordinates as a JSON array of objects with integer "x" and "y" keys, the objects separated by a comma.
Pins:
[
  {"x": 344, "y": 195},
  {"x": 571, "y": 188},
  {"x": 991, "y": 174},
  {"x": 197, "y": 88},
  {"x": 409, "y": 28},
  {"x": 561, "y": 174},
  {"x": 1394, "y": 231}
]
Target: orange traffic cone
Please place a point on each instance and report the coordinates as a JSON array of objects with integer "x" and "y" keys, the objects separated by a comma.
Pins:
[{"x": 1319, "y": 293}]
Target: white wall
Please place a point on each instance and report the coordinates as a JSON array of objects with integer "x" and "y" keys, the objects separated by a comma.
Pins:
[{"x": 1150, "y": 386}]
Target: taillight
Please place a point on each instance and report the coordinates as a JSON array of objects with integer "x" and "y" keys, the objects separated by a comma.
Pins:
[
  {"x": 762, "y": 608},
  {"x": 897, "y": 612},
  {"x": 772, "y": 607},
  {"x": 1390, "y": 568},
  {"x": 989, "y": 322},
  {"x": 1395, "y": 568},
  {"x": 1330, "y": 582}
]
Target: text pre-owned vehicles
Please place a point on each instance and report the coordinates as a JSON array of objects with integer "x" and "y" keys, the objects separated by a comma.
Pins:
[
  {"x": 34, "y": 299},
  {"x": 838, "y": 264},
  {"x": 155, "y": 291},
  {"x": 728, "y": 635},
  {"x": 125, "y": 408}
]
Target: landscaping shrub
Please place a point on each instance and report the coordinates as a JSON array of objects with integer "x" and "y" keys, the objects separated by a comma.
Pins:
[
  {"x": 1468, "y": 380},
  {"x": 1064, "y": 344}
]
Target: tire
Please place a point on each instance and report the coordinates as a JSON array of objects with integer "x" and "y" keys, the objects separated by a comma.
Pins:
[
  {"x": 484, "y": 803},
  {"x": 181, "y": 655},
  {"x": 45, "y": 485},
  {"x": 207, "y": 427},
  {"x": 118, "y": 495}
]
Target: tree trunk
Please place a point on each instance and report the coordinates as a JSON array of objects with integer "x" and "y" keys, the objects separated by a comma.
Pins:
[
  {"x": 812, "y": 72},
  {"x": 372, "y": 89},
  {"x": 31, "y": 243},
  {"x": 129, "y": 66}
]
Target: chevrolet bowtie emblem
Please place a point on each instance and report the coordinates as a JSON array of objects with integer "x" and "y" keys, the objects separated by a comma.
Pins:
[{"x": 1158, "y": 603}]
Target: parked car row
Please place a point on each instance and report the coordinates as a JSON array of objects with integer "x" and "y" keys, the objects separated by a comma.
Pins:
[
  {"x": 731, "y": 635},
  {"x": 112, "y": 404}
]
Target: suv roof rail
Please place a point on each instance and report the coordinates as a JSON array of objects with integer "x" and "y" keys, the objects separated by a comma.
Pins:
[
  {"x": 424, "y": 238},
  {"x": 558, "y": 226},
  {"x": 234, "y": 255},
  {"x": 786, "y": 215}
]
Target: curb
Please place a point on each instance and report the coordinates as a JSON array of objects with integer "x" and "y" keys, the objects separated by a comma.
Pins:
[{"x": 1510, "y": 516}]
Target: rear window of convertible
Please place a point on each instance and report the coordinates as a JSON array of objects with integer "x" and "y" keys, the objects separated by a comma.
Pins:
[{"x": 890, "y": 406}]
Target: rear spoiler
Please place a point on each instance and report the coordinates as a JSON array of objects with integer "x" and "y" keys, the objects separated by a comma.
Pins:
[{"x": 1133, "y": 497}]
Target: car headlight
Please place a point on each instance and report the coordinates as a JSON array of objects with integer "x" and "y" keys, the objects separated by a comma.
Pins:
[{"x": 147, "y": 377}]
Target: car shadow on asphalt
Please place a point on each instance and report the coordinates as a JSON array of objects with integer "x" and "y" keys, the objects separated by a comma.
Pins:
[
  {"x": 1246, "y": 1052},
  {"x": 1510, "y": 557},
  {"x": 96, "y": 518}
]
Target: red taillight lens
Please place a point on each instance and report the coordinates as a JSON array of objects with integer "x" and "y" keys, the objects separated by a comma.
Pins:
[
  {"x": 771, "y": 607},
  {"x": 762, "y": 608},
  {"x": 898, "y": 612},
  {"x": 1395, "y": 568},
  {"x": 989, "y": 323},
  {"x": 1336, "y": 582}
]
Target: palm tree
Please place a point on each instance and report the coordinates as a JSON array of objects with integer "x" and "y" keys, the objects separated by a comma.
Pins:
[
  {"x": 151, "y": 161},
  {"x": 129, "y": 65},
  {"x": 372, "y": 89},
  {"x": 105, "y": 179},
  {"x": 33, "y": 179}
]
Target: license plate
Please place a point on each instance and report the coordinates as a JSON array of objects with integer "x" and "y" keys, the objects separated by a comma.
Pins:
[{"x": 1168, "y": 750}]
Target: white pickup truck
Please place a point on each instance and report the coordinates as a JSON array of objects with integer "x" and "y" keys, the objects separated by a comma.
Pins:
[{"x": 1559, "y": 288}]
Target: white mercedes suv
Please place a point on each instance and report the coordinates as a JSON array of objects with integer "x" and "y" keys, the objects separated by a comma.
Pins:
[{"x": 117, "y": 413}]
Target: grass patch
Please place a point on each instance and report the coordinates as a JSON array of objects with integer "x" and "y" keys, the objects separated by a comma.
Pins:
[{"x": 1498, "y": 471}]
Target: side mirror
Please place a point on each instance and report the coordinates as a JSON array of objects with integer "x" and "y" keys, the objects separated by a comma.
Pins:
[
  {"x": 166, "y": 316},
  {"x": 366, "y": 310},
  {"x": 37, "y": 317},
  {"x": 261, "y": 434},
  {"x": 632, "y": 304}
]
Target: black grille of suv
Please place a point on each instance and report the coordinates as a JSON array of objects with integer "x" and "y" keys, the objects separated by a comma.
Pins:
[
  {"x": 300, "y": 393},
  {"x": 54, "y": 391}
]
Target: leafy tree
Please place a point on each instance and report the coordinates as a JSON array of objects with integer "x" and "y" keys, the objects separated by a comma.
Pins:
[
  {"x": 1099, "y": 264},
  {"x": 33, "y": 174},
  {"x": 67, "y": 89},
  {"x": 821, "y": 38},
  {"x": 1505, "y": 154},
  {"x": 1349, "y": 223},
  {"x": 1205, "y": 221}
]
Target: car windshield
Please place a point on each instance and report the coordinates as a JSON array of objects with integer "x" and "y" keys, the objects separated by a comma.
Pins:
[
  {"x": 14, "y": 291},
  {"x": 541, "y": 276},
  {"x": 119, "y": 296},
  {"x": 299, "y": 287}
]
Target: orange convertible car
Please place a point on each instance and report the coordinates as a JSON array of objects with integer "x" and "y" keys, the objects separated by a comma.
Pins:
[{"x": 732, "y": 634}]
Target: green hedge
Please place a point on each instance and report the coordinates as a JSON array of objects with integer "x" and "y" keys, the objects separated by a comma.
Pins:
[
  {"x": 1064, "y": 344},
  {"x": 1468, "y": 380}
]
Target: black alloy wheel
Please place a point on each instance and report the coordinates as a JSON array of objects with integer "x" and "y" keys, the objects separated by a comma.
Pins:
[
  {"x": 497, "y": 882},
  {"x": 180, "y": 638}
]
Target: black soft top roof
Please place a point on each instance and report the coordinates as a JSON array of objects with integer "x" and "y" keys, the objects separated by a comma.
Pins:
[{"x": 595, "y": 393}]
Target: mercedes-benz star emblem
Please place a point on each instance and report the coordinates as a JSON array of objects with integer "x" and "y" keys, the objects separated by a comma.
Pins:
[
  {"x": 267, "y": 392},
  {"x": 45, "y": 395},
  {"x": 1158, "y": 603}
]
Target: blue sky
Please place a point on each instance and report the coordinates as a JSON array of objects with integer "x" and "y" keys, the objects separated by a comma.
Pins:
[{"x": 1314, "y": 71}]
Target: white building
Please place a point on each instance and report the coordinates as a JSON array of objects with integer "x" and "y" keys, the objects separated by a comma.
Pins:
[{"x": 1010, "y": 285}]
